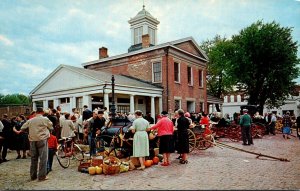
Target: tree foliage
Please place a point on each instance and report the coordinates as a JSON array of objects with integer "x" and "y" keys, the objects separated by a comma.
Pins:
[
  {"x": 218, "y": 80},
  {"x": 261, "y": 60},
  {"x": 14, "y": 99},
  {"x": 265, "y": 62}
]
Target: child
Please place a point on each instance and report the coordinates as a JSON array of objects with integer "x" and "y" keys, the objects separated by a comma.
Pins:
[{"x": 52, "y": 148}]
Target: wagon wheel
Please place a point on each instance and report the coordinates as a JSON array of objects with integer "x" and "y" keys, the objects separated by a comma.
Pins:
[
  {"x": 261, "y": 129},
  {"x": 204, "y": 143},
  {"x": 235, "y": 134},
  {"x": 255, "y": 131},
  {"x": 192, "y": 140}
]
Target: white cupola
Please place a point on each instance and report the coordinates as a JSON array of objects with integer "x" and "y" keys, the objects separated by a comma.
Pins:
[{"x": 143, "y": 23}]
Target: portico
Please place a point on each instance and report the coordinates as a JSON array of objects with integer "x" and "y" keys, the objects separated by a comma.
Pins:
[{"x": 130, "y": 94}]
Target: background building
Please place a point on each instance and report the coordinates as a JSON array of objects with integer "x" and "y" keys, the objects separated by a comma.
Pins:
[{"x": 149, "y": 77}]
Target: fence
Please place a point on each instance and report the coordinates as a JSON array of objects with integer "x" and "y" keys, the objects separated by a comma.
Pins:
[{"x": 15, "y": 110}]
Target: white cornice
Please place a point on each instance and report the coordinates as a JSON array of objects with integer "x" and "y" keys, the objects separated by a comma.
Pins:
[{"x": 168, "y": 44}]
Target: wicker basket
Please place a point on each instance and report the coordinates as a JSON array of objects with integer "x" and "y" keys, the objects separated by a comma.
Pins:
[
  {"x": 84, "y": 165},
  {"x": 97, "y": 161},
  {"x": 109, "y": 168}
]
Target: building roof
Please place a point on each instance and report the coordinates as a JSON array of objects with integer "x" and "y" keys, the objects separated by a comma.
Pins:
[
  {"x": 213, "y": 99},
  {"x": 102, "y": 77},
  {"x": 143, "y": 14},
  {"x": 151, "y": 48}
]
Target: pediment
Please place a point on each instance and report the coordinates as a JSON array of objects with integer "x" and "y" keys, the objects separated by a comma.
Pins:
[
  {"x": 190, "y": 47},
  {"x": 64, "y": 79}
]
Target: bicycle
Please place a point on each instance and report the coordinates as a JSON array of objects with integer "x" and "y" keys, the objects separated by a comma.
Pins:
[{"x": 66, "y": 150}]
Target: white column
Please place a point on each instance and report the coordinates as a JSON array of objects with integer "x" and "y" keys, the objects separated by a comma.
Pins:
[
  {"x": 160, "y": 106},
  {"x": 132, "y": 103},
  {"x": 72, "y": 103},
  {"x": 34, "y": 106},
  {"x": 55, "y": 103},
  {"x": 106, "y": 101},
  {"x": 152, "y": 107},
  {"x": 232, "y": 98},
  {"x": 87, "y": 100},
  {"x": 45, "y": 104}
]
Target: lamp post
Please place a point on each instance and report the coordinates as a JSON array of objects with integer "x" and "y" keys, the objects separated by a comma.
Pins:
[{"x": 113, "y": 108}]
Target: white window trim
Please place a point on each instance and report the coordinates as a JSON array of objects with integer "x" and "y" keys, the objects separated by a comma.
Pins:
[
  {"x": 192, "y": 80},
  {"x": 152, "y": 36},
  {"x": 180, "y": 102},
  {"x": 201, "y": 85},
  {"x": 179, "y": 79},
  {"x": 139, "y": 36},
  {"x": 193, "y": 104},
  {"x": 154, "y": 62}
]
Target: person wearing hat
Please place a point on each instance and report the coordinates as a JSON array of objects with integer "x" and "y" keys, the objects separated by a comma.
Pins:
[
  {"x": 165, "y": 129},
  {"x": 287, "y": 123},
  {"x": 245, "y": 123},
  {"x": 149, "y": 118},
  {"x": 39, "y": 133}
]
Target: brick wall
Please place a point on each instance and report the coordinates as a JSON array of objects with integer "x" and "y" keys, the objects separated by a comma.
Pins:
[
  {"x": 140, "y": 66},
  {"x": 187, "y": 46}
]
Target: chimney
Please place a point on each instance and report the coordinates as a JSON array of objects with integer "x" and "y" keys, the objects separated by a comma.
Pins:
[
  {"x": 103, "y": 52},
  {"x": 145, "y": 40}
]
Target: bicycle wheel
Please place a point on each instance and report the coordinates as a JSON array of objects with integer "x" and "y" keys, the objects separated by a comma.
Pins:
[
  {"x": 62, "y": 159},
  {"x": 78, "y": 153},
  {"x": 192, "y": 140}
]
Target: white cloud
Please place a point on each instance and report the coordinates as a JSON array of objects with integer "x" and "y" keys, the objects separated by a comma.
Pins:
[
  {"x": 32, "y": 71},
  {"x": 6, "y": 40},
  {"x": 5, "y": 91}
]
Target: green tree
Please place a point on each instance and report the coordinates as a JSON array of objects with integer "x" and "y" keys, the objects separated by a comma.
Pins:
[
  {"x": 14, "y": 99},
  {"x": 265, "y": 62},
  {"x": 218, "y": 81}
]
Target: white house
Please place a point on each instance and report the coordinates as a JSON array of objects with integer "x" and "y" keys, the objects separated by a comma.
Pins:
[{"x": 232, "y": 104}]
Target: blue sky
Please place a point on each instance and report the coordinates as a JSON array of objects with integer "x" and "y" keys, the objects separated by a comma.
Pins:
[{"x": 37, "y": 36}]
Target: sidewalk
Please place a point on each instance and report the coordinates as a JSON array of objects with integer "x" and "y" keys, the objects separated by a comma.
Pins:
[{"x": 214, "y": 168}]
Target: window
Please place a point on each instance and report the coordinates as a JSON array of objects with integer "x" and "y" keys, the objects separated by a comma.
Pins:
[
  {"x": 64, "y": 100},
  {"x": 50, "y": 104},
  {"x": 190, "y": 106},
  {"x": 201, "y": 107},
  {"x": 177, "y": 104},
  {"x": 176, "y": 72},
  {"x": 39, "y": 104},
  {"x": 151, "y": 33},
  {"x": 123, "y": 100},
  {"x": 201, "y": 78},
  {"x": 138, "y": 32},
  {"x": 156, "y": 72},
  {"x": 79, "y": 105},
  {"x": 190, "y": 75}
]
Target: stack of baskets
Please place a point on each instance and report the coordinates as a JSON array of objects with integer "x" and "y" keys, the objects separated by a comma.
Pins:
[
  {"x": 111, "y": 165},
  {"x": 83, "y": 166},
  {"x": 97, "y": 161}
]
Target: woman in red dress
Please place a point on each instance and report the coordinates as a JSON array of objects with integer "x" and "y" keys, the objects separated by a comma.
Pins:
[{"x": 205, "y": 121}]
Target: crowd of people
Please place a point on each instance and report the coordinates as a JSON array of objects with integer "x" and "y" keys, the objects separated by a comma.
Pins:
[{"x": 37, "y": 135}]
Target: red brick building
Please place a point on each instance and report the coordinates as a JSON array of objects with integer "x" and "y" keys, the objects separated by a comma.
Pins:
[
  {"x": 179, "y": 66},
  {"x": 151, "y": 77}
]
